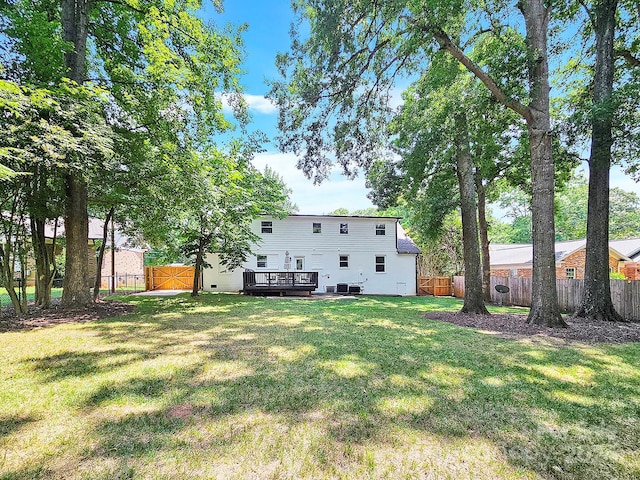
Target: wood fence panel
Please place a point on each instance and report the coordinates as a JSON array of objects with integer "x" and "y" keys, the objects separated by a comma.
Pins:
[
  {"x": 437, "y": 286},
  {"x": 625, "y": 294},
  {"x": 424, "y": 285},
  {"x": 169, "y": 278},
  {"x": 458, "y": 286}
]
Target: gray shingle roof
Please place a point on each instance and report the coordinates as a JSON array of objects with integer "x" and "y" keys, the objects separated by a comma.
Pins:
[{"x": 405, "y": 244}]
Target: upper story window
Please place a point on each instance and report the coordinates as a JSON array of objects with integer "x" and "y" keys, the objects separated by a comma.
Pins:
[
  {"x": 261, "y": 261},
  {"x": 344, "y": 261},
  {"x": 344, "y": 228},
  {"x": 380, "y": 264},
  {"x": 317, "y": 227},
  {"x": 267, "y": 227},
  {"x": 570, "y": 272},
  {"x": 380, "y": 229}
]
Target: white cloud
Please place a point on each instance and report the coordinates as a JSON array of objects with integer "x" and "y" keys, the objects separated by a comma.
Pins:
[
  {"x": 335, "y": 192},
  {"x": 256, "y": 103},
  {"x": 260, "y": 104}
]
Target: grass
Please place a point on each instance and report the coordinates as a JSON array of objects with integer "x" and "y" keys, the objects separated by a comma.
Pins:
[
  {"x": 5, "y": 299},
  {"x": 227, "y": 386}
]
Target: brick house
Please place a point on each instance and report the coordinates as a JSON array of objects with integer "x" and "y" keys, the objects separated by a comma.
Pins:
[
  {"x": 516, "y": 260},
  {"x": 129, "y": 259}
]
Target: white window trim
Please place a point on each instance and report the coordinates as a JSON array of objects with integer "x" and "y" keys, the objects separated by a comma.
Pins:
[
  {"x": 566, "y": 272},
  {"x": 340, "y": 261},
  {"x": 384, "y": 264},
  {"x": 313, "y": 227},
  {"x": 381, "y": 227},
  {"x": 346, "y": 228},
  {"x": 266, "y": 261}
]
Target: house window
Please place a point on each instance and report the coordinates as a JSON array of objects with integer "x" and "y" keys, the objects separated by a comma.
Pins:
[
  {"x": 380, "y": 229},
  {"x": 344, "y": 228},
  {"x": 299, "y": 264},
  {"x": 317, "y": 228},
  {"x": 380, "y": 268},
  {"x": 267, "y": 227},
  {"x": 570, "y": 272},
  {"x": 344, "y": 261},
  {"x": 261, "y": 261}
]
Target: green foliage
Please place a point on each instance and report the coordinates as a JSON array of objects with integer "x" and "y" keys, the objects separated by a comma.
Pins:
[
  {"x": 215, "y": 196},
  {"x": 570, "y": 216},
  {"x": 617, "y": 276},
  {"x": 442, "y": 254}
]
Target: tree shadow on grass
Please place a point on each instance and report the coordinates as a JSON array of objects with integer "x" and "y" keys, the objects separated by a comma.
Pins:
[
  {"x": 13, "y": 423},
  {"x": 364, "y": 373}
]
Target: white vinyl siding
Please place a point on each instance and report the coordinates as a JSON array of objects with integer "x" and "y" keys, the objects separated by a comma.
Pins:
[
  {"x": 322, "y": 253},
  {"x": 316, "y": 261}
]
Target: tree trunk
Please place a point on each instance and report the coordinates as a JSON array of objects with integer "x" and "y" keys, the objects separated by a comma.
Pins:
[
  {"x": 76, "y": 292},
  {"x": 484, "y": 238},
  {"x": 544, "y": 303},
  {"x": 596, "y": 300},
  {"x": 7, "y": 275},
  {"x": 43, "y": 261},
  {"x": 473, "y": 297},
  {"x": 198, "y": 268},
  {"x": 100, "y": 257}
]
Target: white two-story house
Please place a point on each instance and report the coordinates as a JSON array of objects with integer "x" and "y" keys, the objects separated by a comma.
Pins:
[{"x": 370, "y": 255}]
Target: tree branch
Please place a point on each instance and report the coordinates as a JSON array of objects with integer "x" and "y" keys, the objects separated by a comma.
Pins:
[
  {"x": 631, "y": 60},
  {"x": 446, "y": 44}
]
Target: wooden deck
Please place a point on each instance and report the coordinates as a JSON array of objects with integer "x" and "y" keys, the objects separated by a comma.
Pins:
[{"x": 282, "y": 283}]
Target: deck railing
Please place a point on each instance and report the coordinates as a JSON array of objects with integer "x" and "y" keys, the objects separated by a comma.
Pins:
[{"x": 280, "y": 280}]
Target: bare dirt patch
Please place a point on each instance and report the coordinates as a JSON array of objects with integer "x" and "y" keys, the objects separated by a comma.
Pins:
[
  {"x": 515, "y": 326},
  {"x": 38, "y": 318}
]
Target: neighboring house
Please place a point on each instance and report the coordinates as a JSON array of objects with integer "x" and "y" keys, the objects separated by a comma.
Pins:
[
  {"x": 373, "y": 253},
  {"x": 129, "y": 260},
  {"x": 516, "y": 260}
]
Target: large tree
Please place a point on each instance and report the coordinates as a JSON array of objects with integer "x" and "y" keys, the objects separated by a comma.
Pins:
[
  {"x": 596, "y": 300},
  {"x": 164, "y": 68},
  {"x": 337, "y": 84},
  {"x": 207, "y": 205},
  {"x": 46, "y": 132},
  {"x": 432, "y": 133}
]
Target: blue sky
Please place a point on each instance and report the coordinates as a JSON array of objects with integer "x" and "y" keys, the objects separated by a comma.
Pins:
[{"x": 267, "y": 34}]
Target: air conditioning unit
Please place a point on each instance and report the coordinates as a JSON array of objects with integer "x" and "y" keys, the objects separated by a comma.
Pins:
[
  {"x": 354, "y": 289},
  {"x": 342, "y": 288}
]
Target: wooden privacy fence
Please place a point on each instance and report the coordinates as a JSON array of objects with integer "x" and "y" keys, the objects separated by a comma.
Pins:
[
  {"x": 436, "y": 286},
  {"x": 168, "y": 278},
  {"x": 624, "y": 294}
]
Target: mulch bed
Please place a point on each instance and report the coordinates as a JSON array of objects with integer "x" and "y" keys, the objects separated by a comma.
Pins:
[
  {"x": 515, "y": 326},
  {"x": 37, "y": 318}
]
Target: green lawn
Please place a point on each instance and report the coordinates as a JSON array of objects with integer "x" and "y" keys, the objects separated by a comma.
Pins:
[
  {"x": 227, "y": 386},
  {"x": 5, "y": 299}
]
